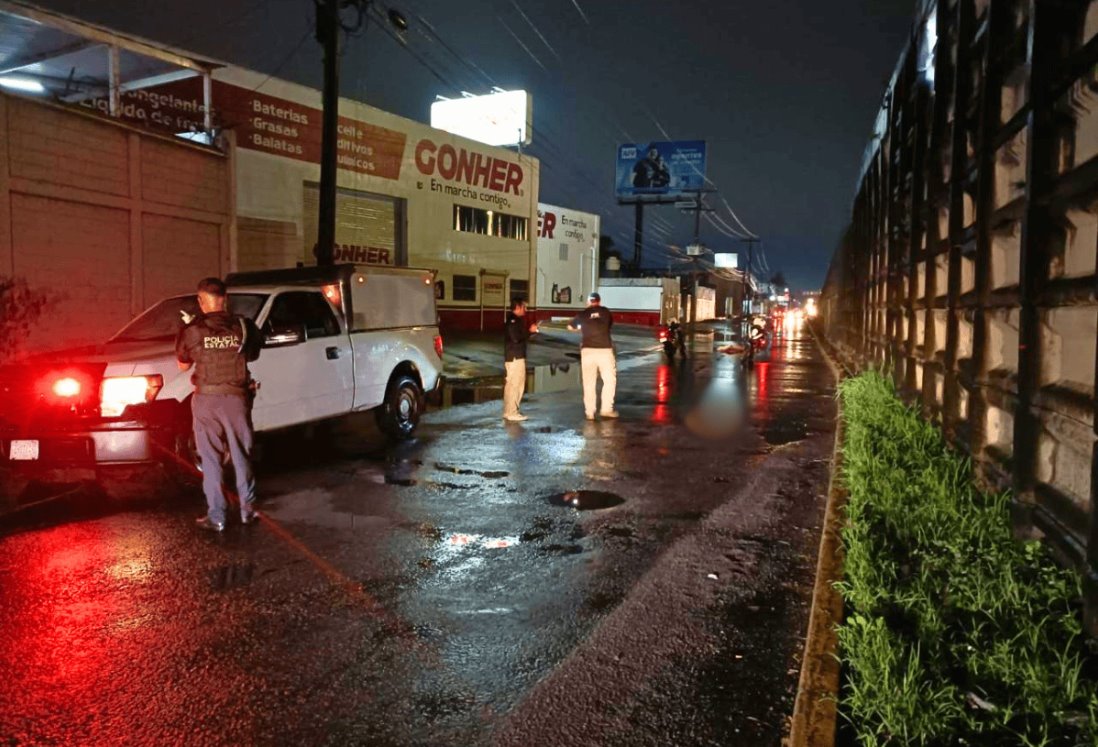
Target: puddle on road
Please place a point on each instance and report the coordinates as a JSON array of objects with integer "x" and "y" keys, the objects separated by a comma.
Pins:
[
  {"x": 231, "y": 576},
  {"x": 586, "y": 500},
  {"x": 555, "y": 377}
]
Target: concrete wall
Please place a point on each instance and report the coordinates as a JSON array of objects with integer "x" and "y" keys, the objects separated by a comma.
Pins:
[{"x": 105, "y": 218}]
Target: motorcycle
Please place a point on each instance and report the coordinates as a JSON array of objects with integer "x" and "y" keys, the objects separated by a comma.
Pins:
[
  {"x": 672, "y": 338},
  {"x": 759, "y": 336}
]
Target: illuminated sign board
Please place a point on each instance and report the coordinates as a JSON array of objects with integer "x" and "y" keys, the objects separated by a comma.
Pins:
[
  {"x": 725, "y": 260},
  {"x": 660, "y": 169},
  {"x": 501, "y": 118}
]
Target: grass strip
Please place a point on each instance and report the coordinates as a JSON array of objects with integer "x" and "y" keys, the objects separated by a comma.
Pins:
[{"x": 955, "y": 632}]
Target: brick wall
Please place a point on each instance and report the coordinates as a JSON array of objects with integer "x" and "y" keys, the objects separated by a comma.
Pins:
[{"x": 106, "y": 218}]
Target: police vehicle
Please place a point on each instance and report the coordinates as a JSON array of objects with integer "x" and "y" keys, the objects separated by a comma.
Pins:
[{"x": 336, "y": 340}]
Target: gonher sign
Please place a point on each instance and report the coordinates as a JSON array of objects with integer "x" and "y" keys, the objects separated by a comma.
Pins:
[
  {"x": 660, "y": 169},
  {"x": 264, "y": 123},
  {"x": 495, "y": 119}
]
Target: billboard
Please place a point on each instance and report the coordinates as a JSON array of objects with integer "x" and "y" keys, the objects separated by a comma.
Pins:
[
  {"x": 725, "y": 260},
  {"x": 660, "y": 169},
  {"x": 501, "y": 118}
]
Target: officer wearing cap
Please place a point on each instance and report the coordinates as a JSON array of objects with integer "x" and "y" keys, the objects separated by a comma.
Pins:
[
  {"x": 219, "y": 345},
  {"x": 596, "y": 356}
]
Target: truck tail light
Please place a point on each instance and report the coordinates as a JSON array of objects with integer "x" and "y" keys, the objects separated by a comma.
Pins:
[
  {"x": 334, "y": 295},
  {"x": 119, "y": 392},
  {"x": 438, "y": 346},
  {"x": 67, "y": 387}
]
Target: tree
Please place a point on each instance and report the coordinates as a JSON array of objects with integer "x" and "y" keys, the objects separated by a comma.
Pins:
[
  {"x": 20, "y": 308},
  {"x": 778, "y": 280}
]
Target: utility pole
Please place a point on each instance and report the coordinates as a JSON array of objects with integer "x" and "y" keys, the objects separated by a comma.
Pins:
[
  {"x": 698, "y": 208},
  {"x": 638, "y": 235},
  {"x": 748, "y": 295},
  {"x": 328, "y": 29}
]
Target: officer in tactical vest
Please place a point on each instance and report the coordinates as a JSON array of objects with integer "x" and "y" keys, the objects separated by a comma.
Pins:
[{"x": 219, "y": 345}]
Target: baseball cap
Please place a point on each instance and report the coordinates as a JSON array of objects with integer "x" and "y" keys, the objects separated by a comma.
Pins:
[{"x": 594, "y": 297}]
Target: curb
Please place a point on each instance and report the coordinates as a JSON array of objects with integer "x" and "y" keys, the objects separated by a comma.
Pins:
[{"x": 815, "y": 711}]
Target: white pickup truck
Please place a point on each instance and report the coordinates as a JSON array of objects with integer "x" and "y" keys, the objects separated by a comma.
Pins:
[{"x": 336, "y": 340}]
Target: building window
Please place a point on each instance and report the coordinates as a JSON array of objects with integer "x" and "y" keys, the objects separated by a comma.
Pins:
[
  {"x": 475, "y": 220},
  {"x": 465, "y": 287},
  {"x": 520, "y": 290},
  {"x": 509, "y": 226},
  {"x": 471, "y": 219}
]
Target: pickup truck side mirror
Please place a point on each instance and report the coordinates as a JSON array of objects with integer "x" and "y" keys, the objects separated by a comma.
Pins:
[{"x": 280, "y": 337}]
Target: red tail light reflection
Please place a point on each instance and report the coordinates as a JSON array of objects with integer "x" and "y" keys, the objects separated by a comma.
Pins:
[{"x": 661, "y": 413}]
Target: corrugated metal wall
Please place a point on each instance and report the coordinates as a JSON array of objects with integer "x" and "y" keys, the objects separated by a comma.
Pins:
[
  {"x": 968, "y": 269},
  {"x": 106, "y": 218}
]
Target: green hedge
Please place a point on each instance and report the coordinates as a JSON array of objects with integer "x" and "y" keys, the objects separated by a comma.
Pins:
[{"x": 955, "y": 632}]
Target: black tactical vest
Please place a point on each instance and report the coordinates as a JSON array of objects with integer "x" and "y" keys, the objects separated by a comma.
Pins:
[{"x": 217, "y": 343}]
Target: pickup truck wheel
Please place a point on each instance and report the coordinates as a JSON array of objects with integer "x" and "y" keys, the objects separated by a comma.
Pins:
[{"x": 399, "y": 414}]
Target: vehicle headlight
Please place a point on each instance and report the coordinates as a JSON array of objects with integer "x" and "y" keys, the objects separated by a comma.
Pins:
[{"x": 119, "y": 392}]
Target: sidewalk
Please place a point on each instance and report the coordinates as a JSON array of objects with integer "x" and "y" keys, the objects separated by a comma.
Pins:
[{"x": 472, "y": 355}]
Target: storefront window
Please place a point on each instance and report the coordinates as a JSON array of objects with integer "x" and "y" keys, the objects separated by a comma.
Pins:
[
  {"x": 475, "y": 220},
  {"x": 465, "y": 288},
  {"x": 471, "y": 219},
  {"x": 509, "y": 226}
]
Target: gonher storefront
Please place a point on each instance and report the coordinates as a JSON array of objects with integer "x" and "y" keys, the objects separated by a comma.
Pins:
[{"x": 408, "y": 194}]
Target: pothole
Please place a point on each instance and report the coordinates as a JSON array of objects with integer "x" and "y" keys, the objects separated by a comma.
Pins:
[
  {"x": 489, "y": 474},
  {"x": 780, "y": 434},
  {"x": 586, "y": 500}
]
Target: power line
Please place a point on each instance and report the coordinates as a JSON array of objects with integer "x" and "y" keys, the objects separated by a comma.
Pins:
[
  {"x": 285, "y": 60},
  {"x": 547, "y": 142},
  {"x": 522, "y": 44},
  {"x": 535, "y": 29}
]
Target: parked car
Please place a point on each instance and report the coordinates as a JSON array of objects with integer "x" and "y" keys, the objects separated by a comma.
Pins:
[{"x": 336, "y": 340}]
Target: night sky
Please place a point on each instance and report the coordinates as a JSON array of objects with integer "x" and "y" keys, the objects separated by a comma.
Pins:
[{"x": 783, "y": 91}]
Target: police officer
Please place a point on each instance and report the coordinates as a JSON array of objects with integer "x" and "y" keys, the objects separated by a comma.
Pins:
[
  {"x": 516, "y": 333},
  {"x": 219, "y": 345},
  {"x": 597, "y": 356}
]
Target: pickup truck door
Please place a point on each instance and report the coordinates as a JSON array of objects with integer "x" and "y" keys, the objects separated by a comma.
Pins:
[{"x": 309, "y": 380}]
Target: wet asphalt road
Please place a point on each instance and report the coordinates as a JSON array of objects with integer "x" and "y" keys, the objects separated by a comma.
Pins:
[{"x": 448, "y": 591}]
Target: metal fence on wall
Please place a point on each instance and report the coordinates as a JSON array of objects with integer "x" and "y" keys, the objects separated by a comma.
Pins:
[{"x": 968, "y": 268}]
